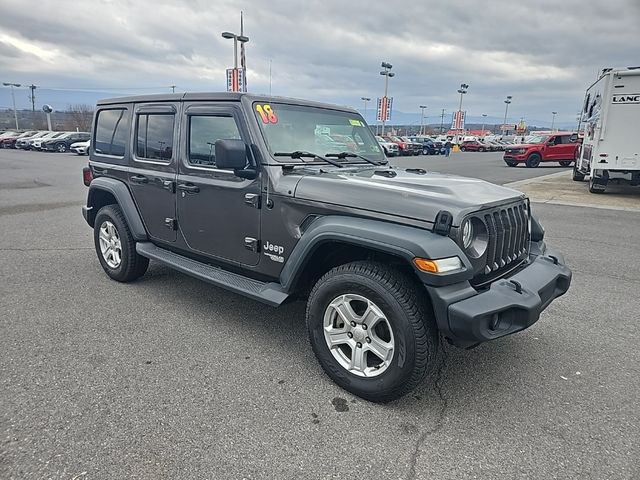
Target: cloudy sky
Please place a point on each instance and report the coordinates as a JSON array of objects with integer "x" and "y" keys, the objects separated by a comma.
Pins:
[{"x": 543, "y": 52}]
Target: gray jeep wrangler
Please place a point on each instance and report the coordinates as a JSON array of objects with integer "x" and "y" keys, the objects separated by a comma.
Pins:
[{"x": 276, "y": 198}]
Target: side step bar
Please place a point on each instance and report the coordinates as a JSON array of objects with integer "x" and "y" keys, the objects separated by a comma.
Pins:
[{"x": 269, "y": 293}]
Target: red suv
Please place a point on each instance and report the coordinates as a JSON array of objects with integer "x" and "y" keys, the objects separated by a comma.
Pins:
[
  {"x": 474, "y": 146},
  {"x": 559, "y": 147}
]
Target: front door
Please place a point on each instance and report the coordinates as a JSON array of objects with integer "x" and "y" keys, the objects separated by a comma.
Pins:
[
  {"x": 218, "y": 212},
  {"x": 152, "y": 169}
]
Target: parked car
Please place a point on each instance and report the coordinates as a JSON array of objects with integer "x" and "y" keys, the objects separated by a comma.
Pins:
[
  {"x": 474, "y": 146},
  {"x": 36, "y": 143},
  {"x": 494, "y": 145},
  {"x": 428, "y": 145},
  {"x": 63, "y": 143},
  {"x": 81, "y": 148},
  {"x": 10, "y": 141},
  {"x": 390, "y": 260},
  {"x": 23, "y": 142},
  {"x": 390, "y": 148},
  {"x": 561, "y": 147},
  {"x": 414, "y": 147}
]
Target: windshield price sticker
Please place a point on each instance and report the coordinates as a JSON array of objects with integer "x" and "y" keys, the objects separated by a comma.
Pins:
[
  {"x": 267, "y": 114},
  {"x": 355, "y": 123}
]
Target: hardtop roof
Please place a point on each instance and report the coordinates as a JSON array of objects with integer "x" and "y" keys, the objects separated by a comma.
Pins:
[{"x": 219, "y": 96}]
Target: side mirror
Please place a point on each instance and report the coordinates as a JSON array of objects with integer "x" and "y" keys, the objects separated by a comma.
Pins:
[{"x": 232, "y": 155}]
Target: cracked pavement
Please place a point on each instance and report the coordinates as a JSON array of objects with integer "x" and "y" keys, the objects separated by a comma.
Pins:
[{"x": 169, "y": 377}]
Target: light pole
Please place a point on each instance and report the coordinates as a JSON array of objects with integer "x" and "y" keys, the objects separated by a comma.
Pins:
[
  {"x": 442, "y": 121},
  {"x": 365, "y": 100},
  {"x": 507, "y": 101},
  {"x": 484, "y": 116},
  {"x": 387, "y": 75},
  {"x": 553, "y": 119},
  {"x": 422, "y": 107},
  {"x": 13, "y": 99},
  {"x": 462, "y": 91},
  {"x": 236, "y": 39}
]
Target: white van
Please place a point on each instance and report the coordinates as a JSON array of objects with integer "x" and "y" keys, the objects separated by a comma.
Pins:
[{"x": 609, "y": 125}]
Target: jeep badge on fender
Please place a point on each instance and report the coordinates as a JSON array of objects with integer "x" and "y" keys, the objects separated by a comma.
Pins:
[{"x": 276, "y": 198}]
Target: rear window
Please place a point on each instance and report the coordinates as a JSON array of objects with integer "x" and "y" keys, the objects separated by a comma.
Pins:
[
  {"x": 111, "y": 132},
  {"x": 154, "y": 137}
]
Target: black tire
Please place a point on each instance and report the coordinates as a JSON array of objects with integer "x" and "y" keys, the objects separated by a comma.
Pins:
[
  {"x": 511, "y": 163},
  {"x": 462, "y": 149},
  {"x": 481, "y": 149},
  {"x": 533, "y": 161},
  {"x": 565, "y": 163},
  {"x": 132, "y": 265},
  {"x": 577, "y": 176},
  {"x": 596, "y": 188},
  {"x": 61, "y": 147},
  {"x": 411, "y": 321}
]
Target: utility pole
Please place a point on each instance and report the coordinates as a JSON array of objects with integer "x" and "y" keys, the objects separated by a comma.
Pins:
[
  {"x": 422, "y": 107},
  {"x": 32, "y": 97},
  {"x": 173, "y": 88}
]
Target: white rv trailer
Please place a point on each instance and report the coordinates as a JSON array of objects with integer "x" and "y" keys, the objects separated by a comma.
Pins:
[{"x": 611, "y": 126}]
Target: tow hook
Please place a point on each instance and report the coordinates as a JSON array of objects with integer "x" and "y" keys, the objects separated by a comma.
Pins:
[
  {"x": 555, "y": 259},
  {"x": 516, "y": 285}
]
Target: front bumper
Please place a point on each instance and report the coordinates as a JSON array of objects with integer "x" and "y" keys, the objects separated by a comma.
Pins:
[
  {"x": 515, "y": 157},
  {"x": 511, "y": 304}
]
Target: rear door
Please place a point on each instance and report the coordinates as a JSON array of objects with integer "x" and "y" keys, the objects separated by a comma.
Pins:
[
  {"x": 218, "y": 212},
  {"x": 152, "y": 169}
]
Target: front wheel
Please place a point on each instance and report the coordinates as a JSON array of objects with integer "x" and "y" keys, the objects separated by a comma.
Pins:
[
  {"x": 371, "y": 330},
  {"x": 116, "y": 247},
  {"x": 565, "y": 163},
  {"x": 533, "y": 161},
  {"x": 62, "y": 148},
  {"x": 511, "y": 163}
]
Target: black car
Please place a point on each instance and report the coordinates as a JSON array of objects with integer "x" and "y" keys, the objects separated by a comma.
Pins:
[
  {"x": 251, "y": 193},
  {"x": 428, "y": 146},
  {"x": 63, "y": 142}
]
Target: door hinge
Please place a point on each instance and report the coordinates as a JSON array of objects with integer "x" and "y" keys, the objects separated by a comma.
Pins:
[
  {"x": 171, "y": 223},
  {"x": 252, "y": 199},
  {"x": 251, "y": 244}
]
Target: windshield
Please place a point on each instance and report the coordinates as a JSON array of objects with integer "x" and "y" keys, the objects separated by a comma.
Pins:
[
  {"x": 292, "y": 128},
  {"x": 538, "y": 139}
]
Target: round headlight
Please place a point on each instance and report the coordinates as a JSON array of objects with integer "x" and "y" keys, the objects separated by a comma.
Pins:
[
  {"x": 467, "y": 234},
  {"x": 475, "y": 238}
]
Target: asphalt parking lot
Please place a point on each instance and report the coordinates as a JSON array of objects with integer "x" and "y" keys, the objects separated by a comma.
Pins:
[{"x": 169, "y": 377}]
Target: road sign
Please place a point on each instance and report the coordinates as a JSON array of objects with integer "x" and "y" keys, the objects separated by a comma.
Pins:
[
  {"x": 236, "y": 80},
  {"x": 508, "y": 126},
  {"x": 457, "y": 122},
  {"x": 384, "y": 109}
]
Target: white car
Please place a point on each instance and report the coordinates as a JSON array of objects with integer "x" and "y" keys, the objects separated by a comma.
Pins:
[
  {"x": 81, "y": 148},
  {"x": 390, "y": 149}
]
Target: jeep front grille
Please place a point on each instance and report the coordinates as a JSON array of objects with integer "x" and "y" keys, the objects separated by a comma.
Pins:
[{"x": 508, "y": 236}]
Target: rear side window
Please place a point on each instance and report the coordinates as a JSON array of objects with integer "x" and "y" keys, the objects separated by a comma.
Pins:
[
  {"x": 204, "y": 131},
  {"x": 111, "y": 132},
  {"x": 154, "y": 136}
]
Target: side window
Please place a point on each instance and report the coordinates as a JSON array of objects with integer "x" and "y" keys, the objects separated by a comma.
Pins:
[
  {"x": 204, "y": 131},
  {"x": 111, "y": 132},
  {"x": 154, "y": 136},
  {"x": 557, "y": 140}
]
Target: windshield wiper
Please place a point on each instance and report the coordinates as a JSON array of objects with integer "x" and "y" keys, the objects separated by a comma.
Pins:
[
  {"x": 301, "y": 154},
  {"x": 343, "y": 155}
]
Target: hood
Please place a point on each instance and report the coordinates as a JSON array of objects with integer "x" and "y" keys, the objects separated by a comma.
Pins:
[
  {"x": 414, "y": 194},
  {"x": 523, "y": 145}
]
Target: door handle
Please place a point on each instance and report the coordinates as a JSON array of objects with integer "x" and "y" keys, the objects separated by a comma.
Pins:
[
  {"x": 188, "y": 187},
  {"x": 139, "y": 179}
]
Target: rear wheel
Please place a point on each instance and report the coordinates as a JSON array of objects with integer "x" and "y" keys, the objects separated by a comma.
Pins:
[
  {"x": 62, "y": 147},
  {"x": 533, "y": 161},
  {"x": 481, "y": 149},
  {"x": 116, "y": 247},
  {"x": 371, "y": 330},
  {"x": 565, "y": 163},
  {"x": 462, "y": 149},
  {"x": 577, "y": 176},
  {"x": 597, "y": 187}
]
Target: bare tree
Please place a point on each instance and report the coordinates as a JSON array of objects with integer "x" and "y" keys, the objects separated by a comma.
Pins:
[{"x": 80, "y": 117}]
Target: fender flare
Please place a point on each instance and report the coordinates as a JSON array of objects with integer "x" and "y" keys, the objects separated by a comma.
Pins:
[
  {"x": 123, "y": 197},
  {"x": 402, "y": 241}
]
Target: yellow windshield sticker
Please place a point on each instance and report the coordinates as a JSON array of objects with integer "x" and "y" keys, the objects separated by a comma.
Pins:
[{"x": 355, "y": 123}]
